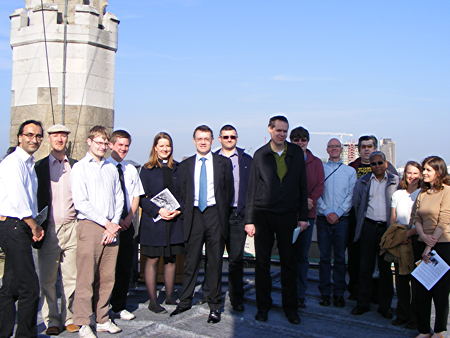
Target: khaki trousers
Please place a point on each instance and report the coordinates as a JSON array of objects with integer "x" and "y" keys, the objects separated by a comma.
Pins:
[
  {"x": 58, "y": 252},
  {"x": 96, "y": 266}
]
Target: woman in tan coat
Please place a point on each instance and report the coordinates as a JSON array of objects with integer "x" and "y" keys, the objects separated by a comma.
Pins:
[{"x": 432, "y": 221}]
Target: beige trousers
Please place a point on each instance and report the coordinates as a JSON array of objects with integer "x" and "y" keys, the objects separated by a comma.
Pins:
[
  {"x": 58, "y": 252},
  {"x": 96, "y": 266}
]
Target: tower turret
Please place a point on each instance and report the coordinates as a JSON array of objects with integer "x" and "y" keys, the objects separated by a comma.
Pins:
[{"x": 37, "y": 41}]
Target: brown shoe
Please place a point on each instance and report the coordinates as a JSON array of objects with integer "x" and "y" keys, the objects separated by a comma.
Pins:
[
  {"x": 52, "y": 331},
  {"x": 72, "y": 328}
]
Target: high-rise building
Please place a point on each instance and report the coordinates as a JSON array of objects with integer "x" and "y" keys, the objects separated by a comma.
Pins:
[
  {"x": 40, "y": 40},
  {"x": 349, "y": 152},
  {"x": 387, "y": 146}
]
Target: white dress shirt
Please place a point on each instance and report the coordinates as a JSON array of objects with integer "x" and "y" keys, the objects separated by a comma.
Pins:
[
  {"x": 211, "y": 200},
  {"x": 376, "y": 208},
  {"x": 18, "y": 185},
  {"x": 133, "y": 185},
  {"x": 96, "y": 190}
]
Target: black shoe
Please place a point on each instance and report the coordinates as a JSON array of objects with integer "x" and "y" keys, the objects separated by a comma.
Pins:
[
  {"x": 301, "y": 303},
  {"x": 171, "y": 301},
  {"x": 352, "y": 297},
  {"x": 293, "y": 318},
  {"x": 261, "y": 316},
  {"x": 238, "y": 307},
  {"x": 399, "y": 322},
  {"x": 412, "y": 325},
  {"x": 325, "y": 301},
  {"x": 53, "y": 331},
  {"x": 156, "y": 308},
  {"x": 214, "y": 316},
  {"x": 179, "y": 310},
  {"x": 386, "y": 313},
  {"x": 338, "y": 301},
  {"x": 359, "y": 310}
]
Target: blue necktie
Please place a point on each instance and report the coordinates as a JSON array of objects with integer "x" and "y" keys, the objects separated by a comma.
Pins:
[{"x": 202, "y": 191}]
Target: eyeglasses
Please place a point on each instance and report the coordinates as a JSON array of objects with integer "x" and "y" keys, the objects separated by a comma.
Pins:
[
  {"x": 373, "y": 164},
  {"x": 32, "y": 136},
  {"x": 334, "y": 146},
  {"x": 299, "y": 139},
  {"x": 101, "y": 144},
  {"x": 226, "y": 137}
]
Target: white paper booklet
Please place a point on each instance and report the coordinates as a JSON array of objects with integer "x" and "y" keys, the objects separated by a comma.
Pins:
[
  {"x": 166, "y": 200},
  {"x": 430, "y": 273}
]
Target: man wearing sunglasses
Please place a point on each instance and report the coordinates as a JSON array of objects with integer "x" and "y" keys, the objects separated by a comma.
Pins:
[
  {"x": 371, "y": 201},
  {"x": 18, "y": 230},
  {"x": 236, "y": 238},
  {"x": 367, "y": 144}
]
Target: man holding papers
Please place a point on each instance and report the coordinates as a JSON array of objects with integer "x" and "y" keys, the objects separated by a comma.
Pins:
[{"x": 276, "y": 204}]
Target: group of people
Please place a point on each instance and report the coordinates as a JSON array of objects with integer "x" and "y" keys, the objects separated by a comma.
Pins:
[
  {"x": 79, "y": 216},
  {"x": 379, "y": 219}
]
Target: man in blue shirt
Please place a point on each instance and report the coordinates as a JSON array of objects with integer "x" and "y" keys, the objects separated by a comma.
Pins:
[{"x": 332, "y": 224}]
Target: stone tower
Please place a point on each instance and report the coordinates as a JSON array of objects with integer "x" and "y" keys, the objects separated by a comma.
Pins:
[{"x": 90, "y": 65}]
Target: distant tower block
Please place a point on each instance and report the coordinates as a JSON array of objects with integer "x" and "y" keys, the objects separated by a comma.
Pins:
[
  {"x": 387, "y": 146},
  {"x": 349, "y": 153},
  {"x": 91, "y": 48}
]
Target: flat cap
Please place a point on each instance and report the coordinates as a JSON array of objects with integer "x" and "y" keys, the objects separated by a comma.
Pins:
[{"x": 58, "y": 128}]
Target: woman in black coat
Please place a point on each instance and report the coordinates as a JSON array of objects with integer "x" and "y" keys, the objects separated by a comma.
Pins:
[{"x": 161, "y": 237}]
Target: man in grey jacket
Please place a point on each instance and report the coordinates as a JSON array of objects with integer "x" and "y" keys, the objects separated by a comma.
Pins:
[{"x": 371, "y": 200}]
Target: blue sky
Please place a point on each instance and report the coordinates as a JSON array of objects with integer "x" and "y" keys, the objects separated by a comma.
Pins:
[{"x": 363, "y": 67}]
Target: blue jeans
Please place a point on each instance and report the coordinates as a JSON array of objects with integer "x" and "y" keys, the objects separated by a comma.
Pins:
[
  {"x": 303, "y": 244},
  {"x": 332, "y": 237}
]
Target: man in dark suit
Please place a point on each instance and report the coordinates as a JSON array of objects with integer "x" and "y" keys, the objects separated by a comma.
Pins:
[
  {"x": 58, "y": 251},
  {"x": 206, "y": 191},
  {"x": 276, "y": 205}
]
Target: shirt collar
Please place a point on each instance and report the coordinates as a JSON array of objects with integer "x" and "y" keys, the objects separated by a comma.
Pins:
[
  {"x": 113, "y": 161},
  {"x": 208, "y": 156},
  {"x": 53, "y": 159},
  {"x": 235, "y": 153},
  {"x": 284, "y": 149},
  {"x": 91, "y": 158},
  {"x": 335, "y": 163},
  {"x": 23, "y": 155},
  {"x": 372, "y": 177}
]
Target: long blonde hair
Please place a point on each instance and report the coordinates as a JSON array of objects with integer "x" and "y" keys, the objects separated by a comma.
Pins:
[{"x": 153, "y": 160}]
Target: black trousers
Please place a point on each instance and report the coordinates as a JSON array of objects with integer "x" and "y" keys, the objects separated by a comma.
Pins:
[
  {"x": 439, "y": 294},
  {"x": 268, "y": 225},
  {"x": 352, "y": 257},
  {"x": 235, "y": 248},
  {"x": 405, "y": 296},
  {"x": 369, "y": 255},
  {"x": 20, "y": 281},
  {"x": 123, "y": 270},
  {"x": 205, "y": 230}
]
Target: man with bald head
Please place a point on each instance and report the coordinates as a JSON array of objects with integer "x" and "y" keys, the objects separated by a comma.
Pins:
[{"x": 332, "y": 224}]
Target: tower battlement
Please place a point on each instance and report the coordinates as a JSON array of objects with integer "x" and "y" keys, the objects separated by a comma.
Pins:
[
  {"x": 85, "y": 25},
  {"x": 38, "y": 58}
]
